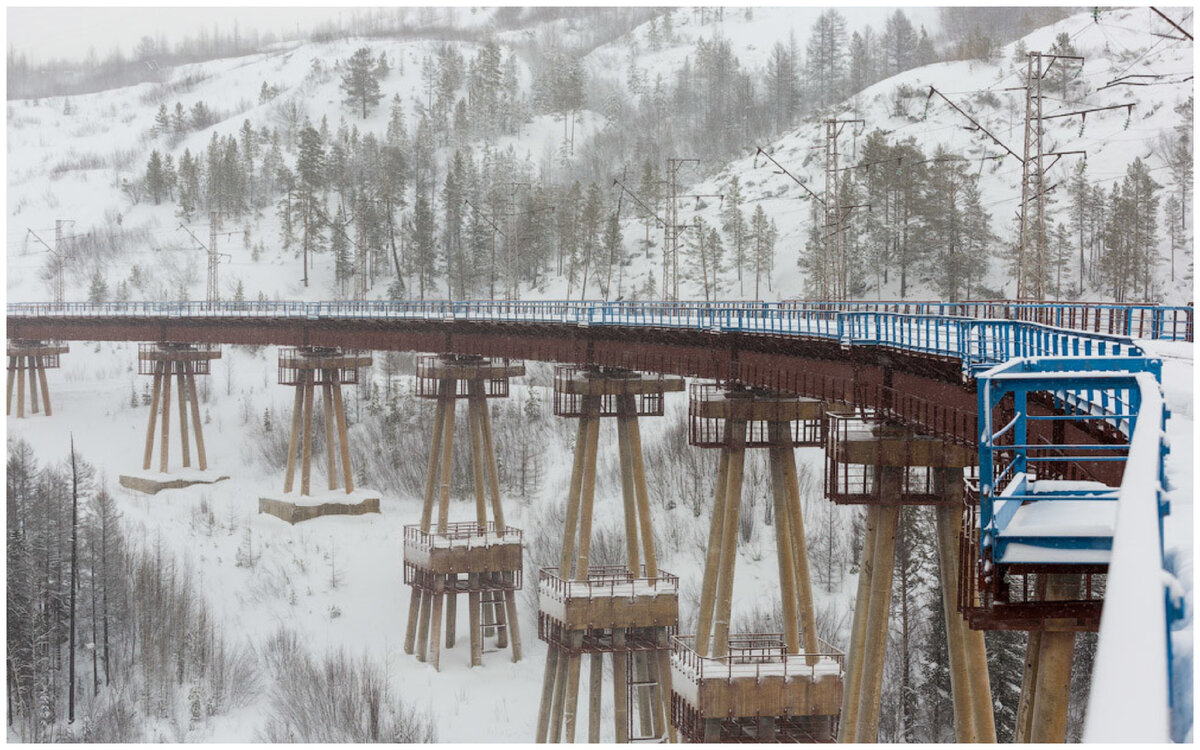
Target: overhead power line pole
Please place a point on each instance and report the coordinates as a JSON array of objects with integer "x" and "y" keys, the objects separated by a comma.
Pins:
[
  {"x": 833, "y": 265},
  {"x": 1032, "y": 254},
  {"x": 672, "y": 230},
  {"x": 211, "y": 290},
  {"x": 211, "y": 294}
]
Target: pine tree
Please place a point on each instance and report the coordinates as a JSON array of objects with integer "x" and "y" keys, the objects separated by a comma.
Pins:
[
  {"x": 98, "y": 290},
  {"x": 189, "y": 185},
  {"x": 155, "y": 179},
  {"x": 310, "y": 173},
  {"x": 453, "y": 195},
  {"x": 733, "y": 223},
  {"x": 1131, "y": 238},
  {"x": 162, "y": 121},
  {"x": 424, "y": 247},
  {"x": 826, "y": 58},
  {"x": 1173, "y": 216},
  {"x": 783, "y": 86},
  {"x": 361, "y": 82},
  {"x": 1179, "y": 157},
  {"x": 614, "y": 254},
  {"x": 339, "y": 246},
  {"x": 763, "y": 234},
  {"x": 900, "y": 43}
]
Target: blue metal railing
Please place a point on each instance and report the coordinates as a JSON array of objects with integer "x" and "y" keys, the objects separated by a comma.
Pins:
[
  {"x": 978, "y": 344},
  {"x": 1123, "y": 393},
  {"x": 1129, "y": 321}
]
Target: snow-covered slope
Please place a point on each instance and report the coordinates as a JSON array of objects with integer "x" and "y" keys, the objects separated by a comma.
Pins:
[
  {"x": 1120, "y": 44},
  {"x": 69, "y": 159},
  {"x": 338, "y": 580}
]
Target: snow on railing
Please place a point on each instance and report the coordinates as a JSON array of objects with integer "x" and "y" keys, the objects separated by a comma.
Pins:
[
  {"x": 755, "y": 655},
  {"x": 1131, "y": 697},
  {"x": 607, "y": 581},
  {"x": 978, "y": 344}
]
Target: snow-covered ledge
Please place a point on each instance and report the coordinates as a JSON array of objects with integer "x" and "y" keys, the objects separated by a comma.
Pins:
[{"x": 1129, "y": 700}]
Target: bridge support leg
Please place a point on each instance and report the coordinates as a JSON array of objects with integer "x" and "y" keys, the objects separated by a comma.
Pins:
[
  {"x": 1033, "y": 650},
  {"x": 294, "y": 440},
  {"x": 620, "y": 687},
  {"x": 733, "y": 500},
  {"x": 560, "y": 695},
  {"x": 182, "y": 397},
  {"x": 451, "y": 609},
  {"x": 548, "y": 677},
  {"x": 794, "y": 518},
  {"x": 1057, "y": 650},
  {"x": 154, "y": 396},
  {"x": 973, "y": 714},
  {"x": 331, "y": 468},
  {"x": 960, "y": 686},
  {"x": 595, "y": 685},
  {"x": 12, "y": 368},
  {"x": 339, "y": 412},
  {"x": 981, "y": 688},
  {"x": 877, "y": 613},
  {"x": 473, "y": 607},
  {"x": 571, "y": 700},
  {"x": 41, "y": 370},
  {"x": 414, "y": 608},
  {"x": 166, "y": 419},
  {"x": 306, "y": 437},
  {"x": 510, "y": 609},
  {"x": 664, "y": 680},
  {"x": 423, "y": 625},
  {"x": 435, "y": 627},
  {"x": 783, "y": 547},
  {"x": 20, "y": 387},
  {"x": 197, "y": 425},
  {"x": 708, "y": 587},
  {"x": 852, "y": 690},
  {"x": 33, "y": 384}
]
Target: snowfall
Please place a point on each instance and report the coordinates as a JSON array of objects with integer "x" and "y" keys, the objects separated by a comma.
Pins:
[{"x": 366, "y": 611}]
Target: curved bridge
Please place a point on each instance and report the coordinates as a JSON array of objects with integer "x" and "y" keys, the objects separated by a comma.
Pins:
[{"x": 913, "y": 363}]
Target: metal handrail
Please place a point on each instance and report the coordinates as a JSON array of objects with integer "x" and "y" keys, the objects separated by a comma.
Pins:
[
  {"x": 751, "y": 649},
  {"x": 605, "y": 580},
  {"x": 816, "y": 318},
  {"x": 468, "y": 531}
]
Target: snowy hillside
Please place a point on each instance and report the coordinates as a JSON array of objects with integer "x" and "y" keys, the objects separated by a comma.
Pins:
[
  {"x": 83, "y": 159},
  {"x": 336, "y": 584},
  {"x": 1117, "y": 47}
]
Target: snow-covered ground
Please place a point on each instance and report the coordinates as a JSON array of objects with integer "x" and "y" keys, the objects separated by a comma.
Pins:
[{"x": 338, "y": 581}]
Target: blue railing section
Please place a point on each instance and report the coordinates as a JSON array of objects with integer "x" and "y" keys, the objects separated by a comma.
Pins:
[
  {"x": 1124, "y": 392},
  {"x": 978, "y": 344},
  {"x": 1173, "y": 323}
]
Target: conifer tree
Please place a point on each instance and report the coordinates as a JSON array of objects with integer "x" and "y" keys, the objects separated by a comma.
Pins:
[
  {"x": 763, "y": 234},
  {"x": 310, "y": 172},
  {"x": 155, "y": 179},
  {"x": 733, "y": 223},
  {"x": 361, "y": 81}
]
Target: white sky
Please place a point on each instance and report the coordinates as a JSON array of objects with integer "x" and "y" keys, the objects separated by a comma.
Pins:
[{"x": 42, "y": 33}]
